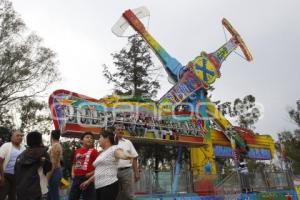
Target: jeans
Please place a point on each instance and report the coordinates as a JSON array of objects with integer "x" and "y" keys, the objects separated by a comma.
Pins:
[
  {"x": 54, "y": 183},
  {"x": 9, "y": 187},
  {"x": 75, "y": 192}
]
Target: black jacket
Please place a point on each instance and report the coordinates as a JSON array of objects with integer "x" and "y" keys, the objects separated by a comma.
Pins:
[{"x": 26, "y": 172}]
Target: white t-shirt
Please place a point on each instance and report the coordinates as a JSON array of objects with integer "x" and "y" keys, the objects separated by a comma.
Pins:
[
  {"x": 243, "y": 168},
  {"x": 106, "y": 167},
  {"x": 128, "y": 148},
  {"x": 43, "y": 181},
  {"x": 12, "y": 160},
  {"x": 5, "y": 152}
]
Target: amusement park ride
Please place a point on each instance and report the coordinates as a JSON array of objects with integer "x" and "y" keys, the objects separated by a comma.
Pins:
[{"x": 182, "y": 117}]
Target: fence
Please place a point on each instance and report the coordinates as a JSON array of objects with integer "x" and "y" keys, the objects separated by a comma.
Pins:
[
  {"x": 161, "y": 182},
  {"x": 261, "y": 181}
]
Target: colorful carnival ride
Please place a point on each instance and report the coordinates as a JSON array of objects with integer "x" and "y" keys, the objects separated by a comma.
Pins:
[{"x": 182, "y": 117}]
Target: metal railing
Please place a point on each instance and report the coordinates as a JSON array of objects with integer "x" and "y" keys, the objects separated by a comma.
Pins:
[
  {"x": 160, "y": 182},
  {"x": 229, "y": 185},
  {"x": 260, "y": 181}
]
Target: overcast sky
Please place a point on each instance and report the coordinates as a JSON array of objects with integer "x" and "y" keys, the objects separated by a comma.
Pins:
[{"x": 80, "y": 32}]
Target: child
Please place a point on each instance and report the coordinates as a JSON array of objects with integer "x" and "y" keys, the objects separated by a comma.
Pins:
[{"x": 82, "y": 168}]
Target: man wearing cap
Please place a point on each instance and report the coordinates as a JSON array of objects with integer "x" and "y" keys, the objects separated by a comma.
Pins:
[
  {"x": 126, "y": 168},
  {"x": 8, "y": 154}
]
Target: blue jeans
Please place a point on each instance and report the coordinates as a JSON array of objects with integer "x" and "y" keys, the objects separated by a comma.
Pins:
[
  {"x": 54, "y": 183},
  {"x": 76, "y": 193}
]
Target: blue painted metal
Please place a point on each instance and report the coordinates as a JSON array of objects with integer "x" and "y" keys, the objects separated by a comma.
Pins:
[{"x": 254, "y": 153}]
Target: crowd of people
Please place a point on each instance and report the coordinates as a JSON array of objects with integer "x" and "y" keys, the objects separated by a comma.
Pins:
[{"x": 34, "y": 172}]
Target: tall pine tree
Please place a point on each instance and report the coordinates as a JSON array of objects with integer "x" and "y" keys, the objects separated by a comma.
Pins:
[{"x": 136, "y": 74}]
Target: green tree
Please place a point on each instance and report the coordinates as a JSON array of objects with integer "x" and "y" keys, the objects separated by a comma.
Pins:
[
  {"x": 244, "y": 111},
  {"x": 69, "y": 146},
  {"x": 135, "y": 70},
  {"x": 161, "y": 157},
  {"x": 35, "y": 115},
  {"x": 4, "y": 135},
  {"x": 26, "y": 67},
  {"x": 6, "y": 119},
  {"x": 295, "y": 114},
  {"x": 288, "y": 143}
]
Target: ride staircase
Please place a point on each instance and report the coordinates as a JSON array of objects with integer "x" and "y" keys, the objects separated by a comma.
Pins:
[{"x": 260, "y": 181}]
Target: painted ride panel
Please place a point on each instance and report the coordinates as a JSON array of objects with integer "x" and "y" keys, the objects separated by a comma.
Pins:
[{"x": 75, "y": 114}]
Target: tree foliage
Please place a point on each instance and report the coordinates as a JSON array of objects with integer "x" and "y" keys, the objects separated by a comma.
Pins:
[
  {"x": 6, "y": 118},
  {"x": 244, "y": 111},
  {"x": 160, "y": 157},
  {"x": 135, "y": 70},
  {"x": 69, "y": 146},
  {"x": 288, "y": 143},
  {"x": 35, "y": 115},
  {"x": 295, "y": 114},
  {"x": 5, "y": 134},
  {"x": 26, "y": 67}
]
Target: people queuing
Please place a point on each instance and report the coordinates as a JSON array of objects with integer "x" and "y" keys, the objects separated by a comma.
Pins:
[
  {"x": 35, "y": 172},
  {"x": 141, "y": 123}
]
